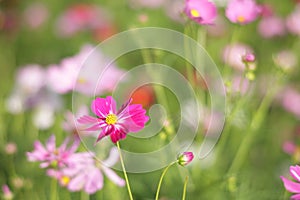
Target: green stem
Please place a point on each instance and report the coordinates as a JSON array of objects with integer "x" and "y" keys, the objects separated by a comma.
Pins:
[
  {"x": 53, "y": 189},
  {"x": 184, "y": 187},
  {"x": 161, "y": 178},
  {"x": 124, "y": 171},
  {"x": 256, "y": 122},
  {"x": 84, "y": 196}
]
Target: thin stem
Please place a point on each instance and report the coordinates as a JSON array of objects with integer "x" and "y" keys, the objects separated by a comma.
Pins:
[
  {"x": 161, "y": 178},
  {"x": 184, "y": 187},
  {"x": 250, "y": 135},
  {"x": 124, "y": 171},
  {"x": 53, "y": 189}
]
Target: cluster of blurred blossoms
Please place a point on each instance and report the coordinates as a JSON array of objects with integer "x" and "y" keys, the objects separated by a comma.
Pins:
[
  {"x": 75, "y": 170},
  {"x": 39, "y": 89}
]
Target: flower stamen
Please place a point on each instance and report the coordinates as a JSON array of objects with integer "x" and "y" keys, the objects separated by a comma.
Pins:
[{"x": 111, "y": 119}]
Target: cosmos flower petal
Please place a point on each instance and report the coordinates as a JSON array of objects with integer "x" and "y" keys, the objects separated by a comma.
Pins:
[
  {"x": 295, "y": 197},
  {"x": 103, "y": 106},
  {"x": 113, "y": 176},
  {"x": 117, "y": 135},
  {"x": 295, "y": 172},
  {"x": 94, "y": 182},
  {"x": 87, "y": 119},
  {"x": 290, "y": 185},
  {"x": 77, "y": 182},
  {"x": 50, "y": 145}
]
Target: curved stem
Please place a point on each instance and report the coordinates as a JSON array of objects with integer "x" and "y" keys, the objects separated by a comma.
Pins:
[
  {"x": 124, "y": 171},
  {"x": 162, "y": 177},
  {"x": 184, "y": 187}
]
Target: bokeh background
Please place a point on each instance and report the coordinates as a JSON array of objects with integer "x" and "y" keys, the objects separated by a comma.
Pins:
[{"x": 38, "y": 35}]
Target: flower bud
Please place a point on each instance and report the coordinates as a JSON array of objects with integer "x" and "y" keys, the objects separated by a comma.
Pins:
[{"x": 185, "y": 158}]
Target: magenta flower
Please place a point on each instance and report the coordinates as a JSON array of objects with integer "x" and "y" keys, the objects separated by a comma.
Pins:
[
  {"x": 116, "y": 124},
  {"x": 185, "y": 158},
  {"x": 290, "y": 185},
  {"x": 50, "y": 155},
  {"x": 201, "y": 11},
  {"x": 242, "y": 11}
]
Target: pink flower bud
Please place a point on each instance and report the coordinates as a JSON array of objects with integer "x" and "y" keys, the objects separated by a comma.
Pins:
[
  {"x": 185, "y": 158},
  {"x": 248, "y": 58}
]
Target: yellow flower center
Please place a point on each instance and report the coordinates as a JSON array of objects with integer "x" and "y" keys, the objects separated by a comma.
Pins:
[
  {"x": 81, "y": 81},
  {"x": 65, "y": 180},
  {"x": 195, "y": 13},
  {"x": 241, "y": 19},
  {"x": 111, "y": 119}
]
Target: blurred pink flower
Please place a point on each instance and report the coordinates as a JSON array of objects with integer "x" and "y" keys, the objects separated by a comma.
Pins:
[
  {"x": 271, "y": 26},
  {"x": 201, "y": 11},
  {"x": 86, "y": 72},
  {"x": 81, "y": 17},
  {"x": 7, "y": 194},
  {"x": 286, "y": 59},
  {"x": 266, "y": 10},
  {"x": 83, "y": 172},
  {"x": 50, "y": 155},
  {"x": 10, "y": 148},
  {"x": 174, "y": 9},
  {"x": 289, "y": 147},
  {"x": 35, "y": 15},
  {"x": 291, "y": 186},
  {"x": 233, "y": 55},
  {"x": 242, "y": 11},
  {"x": 290, "y": 101},
  {"x": 293, "y": 22},
  {"x": 30, "y": 79},
  {"x": 185, "y": 158},
  {"x": 116, "y": 124}
]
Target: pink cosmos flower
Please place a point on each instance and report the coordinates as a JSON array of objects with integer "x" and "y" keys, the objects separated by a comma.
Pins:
[
  {"x": 291, "y": 186},
  {"x": 83, "y": 172},
  {"x": 292, "y": 21},
  {"x": 242, "y": 11},
  {"x": 116, "y": 124},
  {"x": 201, "y": 11},
  {"x": 271, "y": 27},
  {"x": 82, "y": 73},
  {"x": 185, "y": 158},
  {"x": 50, "y": 155}
]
